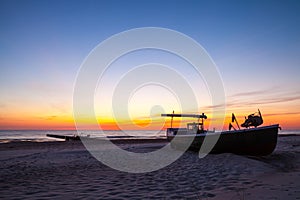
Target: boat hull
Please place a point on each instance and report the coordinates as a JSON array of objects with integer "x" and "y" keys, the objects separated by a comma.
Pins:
[{"x": 255, "y": 141}]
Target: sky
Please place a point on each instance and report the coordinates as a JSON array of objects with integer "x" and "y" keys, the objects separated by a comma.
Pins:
[{"x": 254, "y": 44}]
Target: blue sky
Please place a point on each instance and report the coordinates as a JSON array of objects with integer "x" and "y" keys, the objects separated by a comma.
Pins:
[{"x": 255, "y": 45}]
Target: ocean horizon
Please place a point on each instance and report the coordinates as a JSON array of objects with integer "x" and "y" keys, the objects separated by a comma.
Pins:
[{"x": 41, "y": 135}]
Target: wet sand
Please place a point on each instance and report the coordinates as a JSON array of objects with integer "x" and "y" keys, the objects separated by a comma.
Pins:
[{"x": 66, "y": 170}]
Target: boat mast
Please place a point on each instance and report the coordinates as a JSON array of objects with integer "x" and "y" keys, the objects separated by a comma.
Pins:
[{"x": 172, "y": 120}]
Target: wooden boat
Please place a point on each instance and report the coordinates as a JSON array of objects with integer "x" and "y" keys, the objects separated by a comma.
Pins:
[{"x": 256, "y": 141}]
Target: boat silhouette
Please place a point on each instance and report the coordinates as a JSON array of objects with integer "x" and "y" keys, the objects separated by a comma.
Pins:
[{"x": 251, "y": 140}]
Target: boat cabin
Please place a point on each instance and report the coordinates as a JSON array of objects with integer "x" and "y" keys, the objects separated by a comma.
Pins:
[
  {"x": 195, "y": 126},
  {"x": 191, "y": 128}
]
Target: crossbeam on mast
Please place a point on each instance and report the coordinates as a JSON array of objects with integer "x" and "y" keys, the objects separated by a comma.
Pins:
[{"x": 203, "y": 116}]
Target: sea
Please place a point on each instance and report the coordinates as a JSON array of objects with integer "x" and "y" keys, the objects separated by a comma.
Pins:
[{"x": 41, "y": 135}]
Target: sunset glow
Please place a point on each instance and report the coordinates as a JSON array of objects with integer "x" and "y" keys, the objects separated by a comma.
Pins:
[{"x": 256, "y": 49}]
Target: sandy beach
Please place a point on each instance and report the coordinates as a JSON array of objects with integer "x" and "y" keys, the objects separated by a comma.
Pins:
[{"x": 66, "y": 170}]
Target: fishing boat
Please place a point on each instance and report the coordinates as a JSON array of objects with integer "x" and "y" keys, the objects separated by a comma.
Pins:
[{"x": 251, "y": 140}]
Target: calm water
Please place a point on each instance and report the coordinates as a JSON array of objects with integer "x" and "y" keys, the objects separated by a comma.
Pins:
[{"x": 40, "y": 135}]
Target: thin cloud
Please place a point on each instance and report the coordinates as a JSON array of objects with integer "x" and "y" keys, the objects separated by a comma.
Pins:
[
  {"x": 265, "y": 96},
  {"x": 217, "y": 106},
  {"x": 273, "y": 100},
  {"x": 267, "y": 91},
  {"x": 51, "y": 117},
  {"x": 282, "y": 114},
  {"x": 243, "y": 94}
]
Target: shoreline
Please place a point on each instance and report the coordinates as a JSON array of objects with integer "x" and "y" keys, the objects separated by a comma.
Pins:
[
  {"x": 19, "y": 143},
  {"x": 117, "y": 139}
]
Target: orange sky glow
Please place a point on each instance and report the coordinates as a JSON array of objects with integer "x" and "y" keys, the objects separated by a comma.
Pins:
[
  {"x": 287, "y": 122},
  {"x": 255, "y": 50}
]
